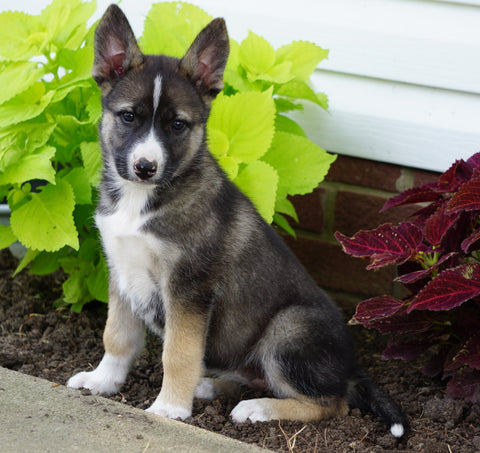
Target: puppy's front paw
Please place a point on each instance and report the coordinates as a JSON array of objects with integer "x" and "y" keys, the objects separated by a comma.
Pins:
[
  {"x": 253, "y": 410},
  {"x": 169, "y": 410},
  {"x": 106, "y": 379},
  {"x": 95, "y": 382}
]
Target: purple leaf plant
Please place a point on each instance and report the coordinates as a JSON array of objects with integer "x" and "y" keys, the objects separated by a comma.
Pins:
[{"x": 437, "y": 254}]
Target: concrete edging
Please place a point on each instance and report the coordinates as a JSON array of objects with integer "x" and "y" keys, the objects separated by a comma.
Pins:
[{"x": 37, "y": 415}]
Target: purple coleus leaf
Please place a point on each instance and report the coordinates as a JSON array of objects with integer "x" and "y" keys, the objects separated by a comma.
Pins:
[
  {"x": 388, "y": 314},
  {"x": 474, "y": 161},
  {"x": 405, "y": 347},
  {"x": 467, "y": 198},
  {"x": 455, "y": 176},
  {"x": 438, "y": 224},
  {"x": 421, "y": 194},
  {"x": 449, "y": 289},
  {"x": 471, "y": 240},
  {"x": 413, "y": 277},
  {"x": 385, "y": 245},
  {"x": 469, "y": 353},
  {"x": 465, "y": 385},
  {"x": 377, "y": 308}
]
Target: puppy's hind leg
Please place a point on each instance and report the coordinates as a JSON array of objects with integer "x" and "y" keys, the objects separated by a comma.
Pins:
[
  {"x": 123, "y": 340},
  {"x": 300, "y": 409},
  {"x": 306, "y": 366}
]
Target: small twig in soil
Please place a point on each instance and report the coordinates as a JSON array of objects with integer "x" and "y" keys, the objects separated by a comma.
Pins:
[{"x": 292, "y": 440}]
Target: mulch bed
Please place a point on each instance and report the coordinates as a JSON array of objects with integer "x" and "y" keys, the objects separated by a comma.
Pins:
[{"x": 53, "y": 343}]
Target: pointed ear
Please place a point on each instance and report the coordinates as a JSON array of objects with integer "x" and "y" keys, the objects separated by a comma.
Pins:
[
  {"x": 206, "y": 59},
  {"x": 116, "y": 49}
]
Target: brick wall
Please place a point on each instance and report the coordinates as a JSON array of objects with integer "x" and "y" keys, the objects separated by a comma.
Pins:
[{"x": 347, "y": 201}]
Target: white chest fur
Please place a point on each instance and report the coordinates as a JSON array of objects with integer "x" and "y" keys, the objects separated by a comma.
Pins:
[{"x": 138, "y": 260}]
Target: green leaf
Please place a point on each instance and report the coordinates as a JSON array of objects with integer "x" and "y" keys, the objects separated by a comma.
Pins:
[
  {"x": 229, "y": 165},
  {"x": 78, "y": 63},
  {"x": 300, "y": 163},
  {"x": 285, "y": 105},
  {"x": 26, "y": 105},
  {"x": 304, "y": 56},
  {"x": 285, "y": 124},
  {"x": 47, "y": 263},
  {"x": 257, "y": 55},
  {"x": 80, "y": 183},
  {"x": 300, "y": 90},
  {"x": 18, "y": 77},
  {"x": 285, "y": 206},
  {"x": 18, "y": 195},
  {"x": 7, "y": 237},
  {"x": 170, "y": 28},
  {"x": 322, "y": 100},
  {"x": 17, "y": 167},
  {"x": 218, "y": 143},
  {"x": 75, "y": 288},
  {"x": 94, "y": 107},
  {"x": 279, "y": 73},
  {"x": 21, "y": 36},
  {"x": 258, "y": 181},
  {"x": 27, "y": 136},
  {"x": 97, "y": 282},
  {"x": 65, "y": 22},
  {"x": 247, "y": 120},
  {"x": 92, "y": 161},
  {"x": 26, "y": 260},
  {"x": 282, "y": 222},
  {"x": 46, "y": 221}
]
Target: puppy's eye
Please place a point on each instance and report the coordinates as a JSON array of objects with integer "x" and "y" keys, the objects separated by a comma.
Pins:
[
  {"x": 127, "y": 117},
  {"x": 178, "y": 125}
]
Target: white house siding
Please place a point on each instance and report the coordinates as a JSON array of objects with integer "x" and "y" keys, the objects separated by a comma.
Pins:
[{"x": 403, "y": 76}]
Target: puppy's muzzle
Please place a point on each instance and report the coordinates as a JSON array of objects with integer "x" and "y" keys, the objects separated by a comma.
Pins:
[{"x": 144, "y": 168}]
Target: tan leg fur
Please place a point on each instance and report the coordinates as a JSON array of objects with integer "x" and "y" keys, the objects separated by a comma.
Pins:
[{"x": 183, "y": 349}]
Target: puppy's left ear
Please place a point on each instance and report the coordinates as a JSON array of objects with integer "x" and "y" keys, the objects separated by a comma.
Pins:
[{"x": 205, "y": 60}]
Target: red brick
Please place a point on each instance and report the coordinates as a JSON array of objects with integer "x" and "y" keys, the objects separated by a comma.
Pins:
[
  {"x": 359, "y": 211},
  {"x": 365, "y": 173},
  {"x": 421, "y": 177},
  {"x": 309, "y": 209},
  {"x": 334, "y": 270}
]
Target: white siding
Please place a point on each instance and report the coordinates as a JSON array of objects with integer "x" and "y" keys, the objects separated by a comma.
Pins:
[{"x": 403, "y": 76}]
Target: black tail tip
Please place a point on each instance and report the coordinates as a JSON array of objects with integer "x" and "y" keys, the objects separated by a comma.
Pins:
[{"x": 397, "y": 429}]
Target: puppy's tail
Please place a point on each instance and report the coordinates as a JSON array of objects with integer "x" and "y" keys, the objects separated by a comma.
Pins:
[{"x": 365, "y": 395}]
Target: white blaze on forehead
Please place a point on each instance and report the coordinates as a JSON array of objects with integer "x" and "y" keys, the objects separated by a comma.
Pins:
[{"x": 157, "y": 91}]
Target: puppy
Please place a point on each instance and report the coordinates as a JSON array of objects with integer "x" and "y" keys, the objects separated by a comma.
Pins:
[{"x": 192, "y": 260}]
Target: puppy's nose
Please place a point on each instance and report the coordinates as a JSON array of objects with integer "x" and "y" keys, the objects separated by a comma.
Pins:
[{"x": 144, "y": 168}]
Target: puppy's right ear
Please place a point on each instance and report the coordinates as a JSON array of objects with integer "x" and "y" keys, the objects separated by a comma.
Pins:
[{"x": 116, "y": 49}]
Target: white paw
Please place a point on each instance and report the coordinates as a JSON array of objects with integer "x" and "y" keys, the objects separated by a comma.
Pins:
[
  {"x": 253, "y": 410},
  {"x": 95, "y": 382},
  {"x": 205, "y": 389},
  {"x": 106, "y": 379},
  {"x": 169, "y": 410}
]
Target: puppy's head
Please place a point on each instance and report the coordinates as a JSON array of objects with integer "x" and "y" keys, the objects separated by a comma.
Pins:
[{"x": 154, "y": 107}]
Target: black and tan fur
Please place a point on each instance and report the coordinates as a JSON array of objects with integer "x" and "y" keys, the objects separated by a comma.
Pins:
[{"x": 191, "y": 259}]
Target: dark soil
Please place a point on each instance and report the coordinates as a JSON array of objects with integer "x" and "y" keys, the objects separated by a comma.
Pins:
[{"x": 54, "y": 343}]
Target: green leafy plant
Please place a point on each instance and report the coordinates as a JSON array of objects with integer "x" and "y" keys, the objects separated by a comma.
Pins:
[
  {"x": 260, "y": 148},
  {"x": 49, "y": 155},
  {"x": 50, "y": 160}
]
